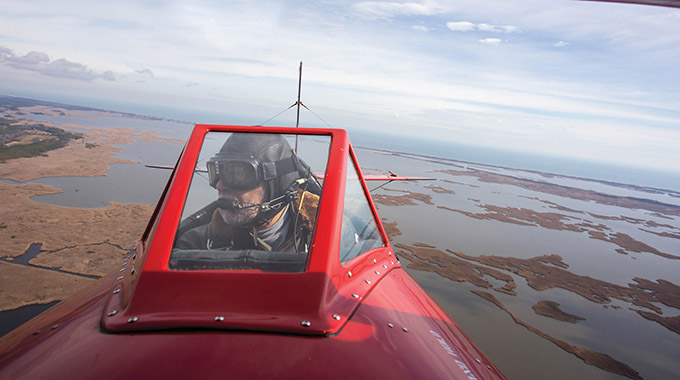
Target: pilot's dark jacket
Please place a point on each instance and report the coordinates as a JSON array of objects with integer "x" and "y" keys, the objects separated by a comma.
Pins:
[{"x": 297, "y": 224}]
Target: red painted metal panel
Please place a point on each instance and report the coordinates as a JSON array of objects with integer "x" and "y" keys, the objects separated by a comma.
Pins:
[{"x": 366, "y": 348}]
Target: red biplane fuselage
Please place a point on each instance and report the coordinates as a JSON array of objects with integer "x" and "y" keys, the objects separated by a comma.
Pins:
[{"x": 344, "y": 313}]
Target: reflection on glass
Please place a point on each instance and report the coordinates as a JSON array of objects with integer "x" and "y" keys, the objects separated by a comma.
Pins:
[
  {"x": 253, "y": 205},
  {"x": 359, "y": 229}
]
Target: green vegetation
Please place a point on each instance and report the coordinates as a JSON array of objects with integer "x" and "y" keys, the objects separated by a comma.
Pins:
[{"x": 44, "y": 139}]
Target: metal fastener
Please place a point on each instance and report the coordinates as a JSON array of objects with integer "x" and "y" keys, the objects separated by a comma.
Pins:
[
  {"x": 336, "y": 317},
  {"x": 349, "y": 273},
  {"x": 384, "y": 266},
  {"x": 55, "y": 326},
  {"x": 219, "y": 318},
  {"x": 306, "y": 323},
  {"x": 375, "y": 261},
  {"x": 116, "y": 291},
  {"x": 376, "y": 272},
  {"x": 133, "y": 319},
  {"x": 368, "y": 282},
  {"x": 355, "y": 295},
  {"x": 404, "y": 329},
  {"x": 112, "y": 313},
  {"x": 120, "y": 278},
  {"x": 390, "y": 325}
]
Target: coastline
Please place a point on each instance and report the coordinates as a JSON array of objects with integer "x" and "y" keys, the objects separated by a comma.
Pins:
[{"x": 75, "y": 243}]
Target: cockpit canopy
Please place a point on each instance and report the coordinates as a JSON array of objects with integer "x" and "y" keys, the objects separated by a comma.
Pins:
[
  {"x": 253, "y": 203},
  {"x": 259, "y": 228}
]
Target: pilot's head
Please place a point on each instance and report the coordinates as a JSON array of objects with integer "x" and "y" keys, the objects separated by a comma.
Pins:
[{"x": 249, "y": 170}]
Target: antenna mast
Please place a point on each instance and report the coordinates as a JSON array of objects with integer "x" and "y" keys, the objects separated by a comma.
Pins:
[{"x": 297, "y": 123}]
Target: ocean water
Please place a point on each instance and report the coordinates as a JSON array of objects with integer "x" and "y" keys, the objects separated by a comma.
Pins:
[{"x": 519, "y": 160}]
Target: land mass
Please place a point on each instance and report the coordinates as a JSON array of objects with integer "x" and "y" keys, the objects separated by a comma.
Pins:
[{"x": 76, "y": 244}]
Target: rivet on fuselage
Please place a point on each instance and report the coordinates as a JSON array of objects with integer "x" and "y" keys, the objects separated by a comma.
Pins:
[
  {"x": 336, "y": 317},
  {"x": 133, "y": 319},
  {"x": 219, "y": 318},
  {"x": 355, "y": 295},
  {"x": 306, "y": 323},
  {"x": 112, "y": 313},
  {"x": 349, "y": 274},
  {"x": 390, "y": 325}
]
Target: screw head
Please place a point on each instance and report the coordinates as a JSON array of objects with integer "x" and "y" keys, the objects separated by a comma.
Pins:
[
  {"x": 349, "y": 274},
  {"x": 336, "y": 317},
  {"x": 219, "y": 318},
  {"x": 355, "y": 295},
  {"x": 390, "y": 325},
  {"x": 306, "y": 323},
  {"x": 116, "y": 291},
  {"x": 112, "y": 313},
  {"x": 133, "y": 320}
]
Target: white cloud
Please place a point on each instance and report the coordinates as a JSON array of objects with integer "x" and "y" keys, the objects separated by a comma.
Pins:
[
  {"x": 491, "y": 41},
  {"x": 420, "y": 28},
  {"x": 560, "y": 44},
  {"x": 108, "y": 75},
  {"x": 466, "y": 26},
  {"x": 145, "y": 72},
  {"x": 461, "y": 26},
  {"x": 386, "y": 9},
  {"x": 39, "y": 62}
]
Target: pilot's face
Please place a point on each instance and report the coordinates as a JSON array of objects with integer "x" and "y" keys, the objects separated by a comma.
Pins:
[{"x": 245, "y": 198}]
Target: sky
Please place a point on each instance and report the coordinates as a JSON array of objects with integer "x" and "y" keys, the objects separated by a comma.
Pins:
[{"x": 587, "y": 80}]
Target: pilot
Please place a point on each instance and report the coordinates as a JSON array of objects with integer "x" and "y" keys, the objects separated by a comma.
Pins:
[{"x": 267, "y": 197}]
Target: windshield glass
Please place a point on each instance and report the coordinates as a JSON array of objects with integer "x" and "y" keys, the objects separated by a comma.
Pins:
[
  {"x": 252, "y": 203},
  {"x": 359, "y": 229}
]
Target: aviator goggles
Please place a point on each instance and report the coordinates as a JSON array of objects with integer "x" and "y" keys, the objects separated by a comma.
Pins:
[{"x": 239, "y": 172}]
